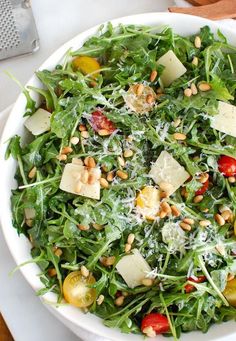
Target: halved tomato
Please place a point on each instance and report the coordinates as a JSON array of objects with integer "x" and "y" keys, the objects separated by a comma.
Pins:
[
  {"x": 100, "y": 122},
  {"x": 76, "y": 289}
]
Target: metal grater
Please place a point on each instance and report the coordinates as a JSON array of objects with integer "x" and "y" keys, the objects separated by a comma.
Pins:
[{"x": 18, "y": 33}]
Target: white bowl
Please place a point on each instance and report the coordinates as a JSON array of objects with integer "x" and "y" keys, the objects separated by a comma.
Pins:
[{"x": 20, "y": 246}]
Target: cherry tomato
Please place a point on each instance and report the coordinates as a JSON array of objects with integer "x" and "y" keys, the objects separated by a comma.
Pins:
[
  {"x": 227, "y": 165},
  {"x": 86, "y": 65},
  {"x": 230, "y": 292},
  {"x": 189, "y": 287},
  {"x": 203, "y": 189},
  {"x": 99, "y": 121},
  {"x": 148, "y": 202},
  {"x": 158, "y": 322},
  {"x": 76, "y": 290}
]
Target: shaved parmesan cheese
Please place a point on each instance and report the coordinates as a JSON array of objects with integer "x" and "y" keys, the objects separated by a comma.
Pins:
[
  {"x": 133, "y": 268},
  {"x": 225, "y": 121},
  {"x": 39, "y": 122},
  {"x": 173, "y": 68},
  {"x": 166, "y": 169},
  {"x": 71, "y": 176},
  {"x": 29, "y": 213}
]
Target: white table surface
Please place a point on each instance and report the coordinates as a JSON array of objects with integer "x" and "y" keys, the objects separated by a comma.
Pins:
[{"x": 57, "y": 21}]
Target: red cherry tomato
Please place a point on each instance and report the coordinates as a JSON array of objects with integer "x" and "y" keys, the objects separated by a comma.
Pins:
[
  {"x": 203, "y": 189},
  {"x": 227, "y": 165},
  {"x": 189, "y": 287},
  {"x": 158, "y": 322},
  {"x": 99, "y": 122}
]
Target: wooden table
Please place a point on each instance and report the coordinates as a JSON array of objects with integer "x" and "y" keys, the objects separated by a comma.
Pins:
[{"x": 5, "y": 334}]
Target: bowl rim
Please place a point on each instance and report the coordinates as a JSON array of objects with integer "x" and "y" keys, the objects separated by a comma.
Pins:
[{"x": 48, "y": 63}]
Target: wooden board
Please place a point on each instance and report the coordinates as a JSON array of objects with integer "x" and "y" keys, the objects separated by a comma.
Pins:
[{"x": 5, "y": 334}]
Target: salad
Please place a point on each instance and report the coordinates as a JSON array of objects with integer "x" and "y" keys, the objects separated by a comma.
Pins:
[{"x": 126, "y": 185}]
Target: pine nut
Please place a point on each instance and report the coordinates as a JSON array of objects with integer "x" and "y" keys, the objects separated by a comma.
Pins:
[
  {"x": 32, "y": 172},
  {"x": 100, "y": 299},
  {"x": 66, "y": 150},
  {"x": 62, "y": 157},
  {"x": 74, "y": 140},
  {"x": 204, "y": 177},
  {"x": 184, "y": 192},
  {"x": 104, "y": 183},
  {"x": 176, "y": 122},
  {"x": 104, "y": 168},
  {"x": 153, "y": 75},
  {"x": 189, "y": 221},
  {"x": 58, "y": 252},
  {"x": 85, "y": 134},
  {"x": 122, "y": 175},
  {"x": 124, "y": 293},
  {"x": 121, "y": 161},
  {"x": 197, "y": 199},
  {"x": 149, "y": 99},
  {"x": 204, "y": 87},
  {"x": 52, "y": 272},
  {"x": 185, "y": 227},
  {"x": 84, "y": 271},
  {"x": 175, "y": 211},
  {"x": 163, "y": 195},
  {"x": 128, "y": 153},
  {"x": 166, "y": 207},
  {"x": 194, "y": 89},
  {"x": 127, "y": 248},
  {"x": 108, "y": 261},
  {"x": 98, "y": 227},
  {"x": 90, "y": 162},
  {"x": 226, "y": 215},
  {"x": 197, "y": 42},
  {"x": 139, "y": 89},
  {"x": 119, "y": 301},
  {"x": 230, "y": 277},
  {"x": 179, "y": 136},
  {"x": 204, "y": 223},
  {"x": 219, "y": 219},
  {"x": 91, "y": 179},
  {"x": 83, "y": 227},
  {"x": 162, "y": 214},
  {"x": 82, "y": 127},
  {"x": 85, "y": 176},
  {"x": 149, "y": 331},
  {"x": 195, "y": 61},
  {"x": 231, "y": 179},
  {"x": 131, "y": 238},
  {"x": 165, "y": 186},
  {"x": 110, "y": 176},
  {"x": 187, "y": 92},
  {"x": 103, "y": 132},
  {"x": 147, "y": 282}
]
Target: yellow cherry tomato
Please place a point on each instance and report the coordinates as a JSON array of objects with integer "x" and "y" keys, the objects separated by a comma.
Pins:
[
  {"x": 140, "y": 98},
  {"x": 86, "y": 65},
  {"x": 76, "y": 290},
  {"x": 230, "y": 292},
  {"x": 148, "y": 202}
]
